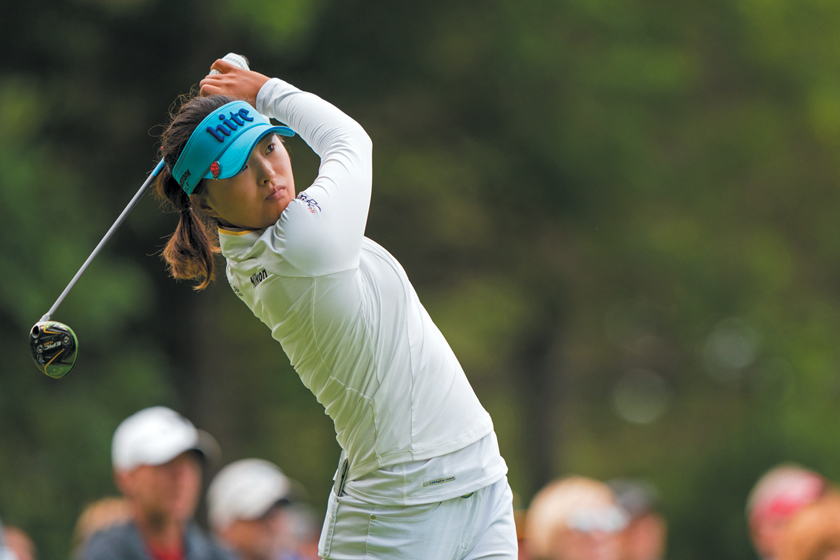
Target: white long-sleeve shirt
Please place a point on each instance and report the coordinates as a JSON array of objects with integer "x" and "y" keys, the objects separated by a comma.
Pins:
[{"x": 345, "y": 312}]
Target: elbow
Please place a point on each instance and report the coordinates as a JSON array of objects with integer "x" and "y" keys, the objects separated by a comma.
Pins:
[
  {"x": 352, "y": 137},
  {"x": 365, "y": 144},
  {"x": 358, "y": 136}
]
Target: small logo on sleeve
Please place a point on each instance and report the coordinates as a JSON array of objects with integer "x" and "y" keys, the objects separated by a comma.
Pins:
[
  {"x": 258, "y": 277},
  {"x": 310, "y": 202}
]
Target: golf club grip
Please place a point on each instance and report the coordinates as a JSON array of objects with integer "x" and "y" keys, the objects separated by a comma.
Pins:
[
  {"x": 105, "y": 239},
  {"x": 236, "y": 59}
]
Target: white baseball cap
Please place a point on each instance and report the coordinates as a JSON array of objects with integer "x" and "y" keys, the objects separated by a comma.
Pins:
[
  {"x": 247, "y": 490},
  {"x": 154, "y": 436}
]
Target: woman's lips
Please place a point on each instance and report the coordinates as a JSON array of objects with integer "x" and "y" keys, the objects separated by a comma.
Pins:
[{"x": 276, "y": 193}]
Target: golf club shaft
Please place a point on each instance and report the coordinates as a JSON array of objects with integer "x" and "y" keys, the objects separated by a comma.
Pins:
[{"x": 105, "y": 239}]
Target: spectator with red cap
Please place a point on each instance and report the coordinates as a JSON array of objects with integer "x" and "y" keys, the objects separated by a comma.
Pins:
[
  {"x": 777, "y": 495},
  {"x": 814, "y": 532}
]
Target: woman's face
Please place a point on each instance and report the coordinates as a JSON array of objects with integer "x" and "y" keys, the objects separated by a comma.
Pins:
[{"x": 255, "y": 197}]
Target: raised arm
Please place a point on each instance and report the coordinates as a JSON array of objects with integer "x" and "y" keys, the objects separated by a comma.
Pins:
[{"x": 322, "y": 230}]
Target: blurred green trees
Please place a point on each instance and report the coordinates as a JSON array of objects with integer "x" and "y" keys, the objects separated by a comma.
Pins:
[{"x": 623, "y": 216}]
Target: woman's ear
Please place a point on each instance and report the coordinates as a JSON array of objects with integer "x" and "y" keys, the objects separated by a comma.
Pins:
[{"x": 200, "y": 202}]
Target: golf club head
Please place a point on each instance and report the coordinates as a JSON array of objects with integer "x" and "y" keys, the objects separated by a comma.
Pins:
[{"x": 54, "y": 346}]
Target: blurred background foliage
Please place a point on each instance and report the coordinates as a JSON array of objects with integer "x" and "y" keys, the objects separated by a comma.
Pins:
[{"x": 622, "y": 214}]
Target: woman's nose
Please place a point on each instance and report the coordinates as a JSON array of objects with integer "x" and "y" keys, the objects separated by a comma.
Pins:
[{"x": 266, "y": 174}]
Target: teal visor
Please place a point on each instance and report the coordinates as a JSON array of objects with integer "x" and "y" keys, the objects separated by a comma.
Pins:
[{"x": 220, "y": 146}]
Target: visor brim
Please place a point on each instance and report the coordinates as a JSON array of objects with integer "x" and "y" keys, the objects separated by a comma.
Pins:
[{"x": 233, "y": 160}]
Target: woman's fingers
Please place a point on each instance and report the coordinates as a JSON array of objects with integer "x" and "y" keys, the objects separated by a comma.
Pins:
[
  {"x": 223, "y": 66},
  {"x": 228, "y": 79}
]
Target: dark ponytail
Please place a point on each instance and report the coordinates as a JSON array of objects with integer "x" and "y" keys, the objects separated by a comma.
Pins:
[{"x": 190, "y": 251}]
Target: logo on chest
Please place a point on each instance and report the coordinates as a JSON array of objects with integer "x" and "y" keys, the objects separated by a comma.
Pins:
[{"x": 258, "y": 277}]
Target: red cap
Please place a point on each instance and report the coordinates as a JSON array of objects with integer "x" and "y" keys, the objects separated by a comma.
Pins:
[{"x": 783, "y": 492}]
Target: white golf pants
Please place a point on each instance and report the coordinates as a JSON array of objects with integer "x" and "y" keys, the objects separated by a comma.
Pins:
[{"x": 477, "y": 526}]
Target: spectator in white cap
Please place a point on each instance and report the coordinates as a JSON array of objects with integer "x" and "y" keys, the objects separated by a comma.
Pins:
[
  {"x": 646, "y": 533},
  {"x": 157, "y": 456},
  {"x": 15, "y": 544},
  {"x": 246, "y": 509},
  {"x": 575, "y": 518},
  {"x": 6, "y": 553}
]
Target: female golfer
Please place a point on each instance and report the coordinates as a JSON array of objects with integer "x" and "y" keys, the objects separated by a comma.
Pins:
[{"x": 420, "y": 474}]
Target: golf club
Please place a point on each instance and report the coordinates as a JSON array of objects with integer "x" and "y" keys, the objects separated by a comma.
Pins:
[{"x": 54, "y": 345}]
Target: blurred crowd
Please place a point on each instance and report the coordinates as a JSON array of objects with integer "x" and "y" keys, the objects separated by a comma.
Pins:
[
  {"x": 255, "y": 512},
  {"x": 792, "y": 513}
]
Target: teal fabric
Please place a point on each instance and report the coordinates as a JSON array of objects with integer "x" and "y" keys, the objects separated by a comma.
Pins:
[{"x": 220, "y": 146}]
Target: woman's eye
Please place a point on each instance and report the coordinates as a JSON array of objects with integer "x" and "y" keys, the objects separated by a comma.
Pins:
[{"x": 270, "y": 148}]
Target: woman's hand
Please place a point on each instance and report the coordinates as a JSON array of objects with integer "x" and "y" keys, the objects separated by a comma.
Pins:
[{"x": 233, "y": 81}]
